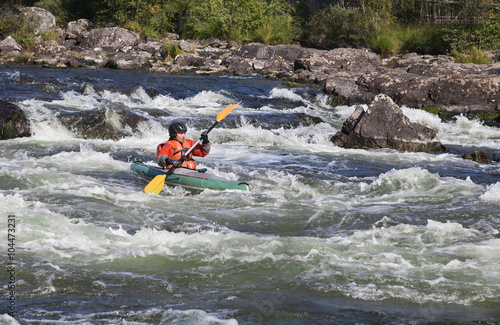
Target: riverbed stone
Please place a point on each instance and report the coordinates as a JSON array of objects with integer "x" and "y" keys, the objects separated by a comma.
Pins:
[
  {"x": 129, "y": 61},
  {"x": 189, "y": 60},
  {"x": 107, "y": 123},
  {"x": 481, "y": 157},
  {"x": 384, "y": 125},
  {"x": 49, "y": 48},
  {"x": 13, "y": 121}
]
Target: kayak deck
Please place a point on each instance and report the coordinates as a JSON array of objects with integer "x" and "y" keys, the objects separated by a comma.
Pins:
[{"x": 189, "y": 178}]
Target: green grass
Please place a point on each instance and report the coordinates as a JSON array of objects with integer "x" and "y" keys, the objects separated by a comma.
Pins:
[
  {"x": 171, "y": 51},
  {"x": 472, "y": 55}
]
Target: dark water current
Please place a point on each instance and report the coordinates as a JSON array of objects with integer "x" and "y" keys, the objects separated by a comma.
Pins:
[{"x": 326, "y": 236}]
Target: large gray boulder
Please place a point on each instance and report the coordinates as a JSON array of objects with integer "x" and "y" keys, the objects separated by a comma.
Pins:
[
  {"x": 258, "y": 51},
  {"x": 384, "y": 125},
  {"x": 416, "y": 81},
  {"x": 79, "y": 26},
  {"x": 43, "y": 20},
  {"x": 129, "y": 61},
  {"x": 10, "y": 46},
  {"x": 112, "y": 39},
  {"x": 76, "y": 32},
  {"x": 113, "y": 122},
  {"x": 189, "y": 60},
  {"x": 13, "y": 121}
]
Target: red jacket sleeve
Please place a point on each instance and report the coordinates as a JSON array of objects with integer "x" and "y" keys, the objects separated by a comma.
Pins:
[
  {"x": 199, "y": 150},
  {"x": 164, "y": 149}
]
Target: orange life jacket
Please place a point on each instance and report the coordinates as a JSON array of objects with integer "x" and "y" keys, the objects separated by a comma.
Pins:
[{"x": 175, "y": 150}]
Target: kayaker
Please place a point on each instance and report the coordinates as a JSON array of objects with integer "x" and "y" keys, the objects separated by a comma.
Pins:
[{"x": 171, "y": 152}]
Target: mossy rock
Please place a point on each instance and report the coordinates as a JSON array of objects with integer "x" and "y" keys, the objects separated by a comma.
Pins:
[
  {"x": 438, "y": 110},
  {"x": 292, "y": 84},
  {"x": 489, "y": 116},
  {"x": 336, "y": 100},
  {"x": 13, "y": 122}
]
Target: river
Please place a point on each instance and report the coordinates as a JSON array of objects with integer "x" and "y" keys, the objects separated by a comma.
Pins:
[{"x": 325, "y": 236}]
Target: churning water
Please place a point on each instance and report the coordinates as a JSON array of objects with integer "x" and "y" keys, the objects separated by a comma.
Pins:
[{"x": 326, "y": 236}]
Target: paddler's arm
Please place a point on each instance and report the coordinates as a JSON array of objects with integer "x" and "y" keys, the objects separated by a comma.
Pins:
[
  {"x": 202, "y": 149},
  {"x": 164, "y": 153},
  {"x": 165, "y": 161},
  {"x": 206, "y": 145}
]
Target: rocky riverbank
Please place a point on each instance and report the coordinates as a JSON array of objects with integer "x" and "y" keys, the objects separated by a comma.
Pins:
[{"x": 349, "y": 76}]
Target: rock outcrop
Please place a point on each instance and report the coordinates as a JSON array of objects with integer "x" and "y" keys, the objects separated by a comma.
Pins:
[
  {"x": 42, "y": 20},
  {"x": 112, "y": 39},
  {"x": 348, "y": 76},
  {"x": 13, "y": 121},
  {"x": 9, "y": 46},
  {"x": 384, "y": 125},
  {"x": 480, "y": 157},
  {"x": 114, "y": 122}
]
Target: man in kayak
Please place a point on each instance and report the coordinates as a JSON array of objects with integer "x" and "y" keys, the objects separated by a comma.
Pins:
[{"x": 171, "y": 153}]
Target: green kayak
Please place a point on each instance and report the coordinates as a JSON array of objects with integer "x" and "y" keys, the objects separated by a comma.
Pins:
[{"x": 189, "y": 178}]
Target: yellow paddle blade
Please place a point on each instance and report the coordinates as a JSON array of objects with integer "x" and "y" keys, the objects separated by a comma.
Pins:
[
  {"x": 156, "y": 185},
  {"x": 225, "y": 111}
]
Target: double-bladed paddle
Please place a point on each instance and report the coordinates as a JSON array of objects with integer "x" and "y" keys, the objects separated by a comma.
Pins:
[{"x": 157, "y": 184}]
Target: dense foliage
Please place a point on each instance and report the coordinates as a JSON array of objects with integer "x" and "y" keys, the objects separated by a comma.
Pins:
[
  {"x": 13, "y": 24},
  {"x": 386, "y": 26},
  {"x": 241, "y": 20}
]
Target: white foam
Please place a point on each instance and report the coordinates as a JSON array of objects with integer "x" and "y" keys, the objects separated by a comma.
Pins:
[
  {"x": 492, "y": 193},
  {"x": 287, "y": 94},
  {"x": 6, "y": 319},
  {"x": 161, "y": 316},
  {"x": 405, "y": 185},
  {"x": 422, "y": 117},
  {"x": 43, "y": 122},
  {"x": 375, "y": 264},
  {"x": 399, "y": 262}
]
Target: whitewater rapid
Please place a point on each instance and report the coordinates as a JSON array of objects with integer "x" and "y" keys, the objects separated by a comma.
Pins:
[{"x": 327, "y": 234}]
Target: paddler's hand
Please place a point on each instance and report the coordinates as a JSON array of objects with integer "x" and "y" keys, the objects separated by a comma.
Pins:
[
  {"x": 204, "y": 137},
  {"x": 175, "y": 163},
  {"x": 163, "y": 161}
]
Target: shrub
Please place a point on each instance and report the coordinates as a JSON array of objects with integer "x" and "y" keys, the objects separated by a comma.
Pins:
[
  {"x": 171, "y": 51},
  {"x": 336, "y": 26},
  {"x": 406, "y": 11},
  {"x": 301, "y": 15},
  {"x": 385, "y": 45},
  {"x": 472, "y": 55},
  {"x": 240, "y": 20},
  {"x": 10, "y": 23},
  {"x": 49, "y": 35},
  {"x": 14, "y": 23},
  {"x": 209, "y": 19},
  {"x": 147, "y": 17},
  {"x": 481, "y": 34},
  {"x": 424, "y": 39},
  {"x": 277, "y": 31},
  {"x": 56, "y": 8}
]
